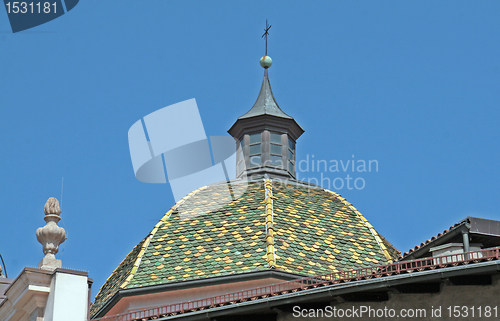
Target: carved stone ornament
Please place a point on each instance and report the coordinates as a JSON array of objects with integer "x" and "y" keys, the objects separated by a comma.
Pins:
[{"x": 51, "y": 235}]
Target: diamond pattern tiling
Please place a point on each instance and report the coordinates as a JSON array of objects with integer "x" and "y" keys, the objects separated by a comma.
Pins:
[{"x": 316, "y": 232}]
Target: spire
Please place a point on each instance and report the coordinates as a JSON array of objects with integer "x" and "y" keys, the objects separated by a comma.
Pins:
[
  {"x": 265, "y": 135},
  {"x": 266, "y": 103}
]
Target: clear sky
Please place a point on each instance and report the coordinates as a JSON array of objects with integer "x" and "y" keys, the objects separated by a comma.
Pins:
[{"x": 412, "y": 85}]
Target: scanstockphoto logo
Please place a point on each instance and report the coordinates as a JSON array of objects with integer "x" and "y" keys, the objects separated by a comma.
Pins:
[
  {"x": 32, "y": 13},
  {"x": 336, "y": 174},
  {"x": 171, "y": 142}
]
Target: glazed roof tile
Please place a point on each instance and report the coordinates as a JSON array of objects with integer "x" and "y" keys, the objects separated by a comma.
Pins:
[{"x": 314, "y": 232}]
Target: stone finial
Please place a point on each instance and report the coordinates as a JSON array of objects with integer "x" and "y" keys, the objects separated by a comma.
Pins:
[
  {"x": 52, "y": 207},
  {"x": 51, "y": 235}
]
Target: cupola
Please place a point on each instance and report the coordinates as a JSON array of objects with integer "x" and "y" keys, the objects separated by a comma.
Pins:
[{"x": 266, "y": 136}]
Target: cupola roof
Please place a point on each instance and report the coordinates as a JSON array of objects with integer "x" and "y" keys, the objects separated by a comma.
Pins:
[{"x": 266, "y": 103}]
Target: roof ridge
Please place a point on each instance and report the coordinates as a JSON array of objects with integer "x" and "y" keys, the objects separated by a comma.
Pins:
[
  {"x": 367, "y": 224},
  {"x": 152, "y": 234},
  {"x": 271, "y": 257}
]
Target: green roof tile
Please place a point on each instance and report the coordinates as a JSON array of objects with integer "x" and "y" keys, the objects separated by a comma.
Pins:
[{"x": 316, "y": 232}]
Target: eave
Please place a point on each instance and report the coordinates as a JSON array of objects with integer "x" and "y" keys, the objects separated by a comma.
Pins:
[{"x": 174, "y": 286}]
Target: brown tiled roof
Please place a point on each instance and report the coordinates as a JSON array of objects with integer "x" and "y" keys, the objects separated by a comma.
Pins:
[{"x": 432, "y": 239}]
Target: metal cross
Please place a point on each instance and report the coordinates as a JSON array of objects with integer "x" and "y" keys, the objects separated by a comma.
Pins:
[{"x": 266, "y": 33}]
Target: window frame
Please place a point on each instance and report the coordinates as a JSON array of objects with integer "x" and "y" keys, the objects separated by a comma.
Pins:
[
  {"x": 292, "y": 152},
  {"x": 250, "y": 155},
  {"x": 271, "y": 154}
]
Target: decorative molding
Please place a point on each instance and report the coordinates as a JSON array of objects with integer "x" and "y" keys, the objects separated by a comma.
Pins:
[{"x": 271, "y": 257}]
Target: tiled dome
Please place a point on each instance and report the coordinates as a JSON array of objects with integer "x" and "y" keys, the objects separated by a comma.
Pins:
[{"x": 316, "y": 231}]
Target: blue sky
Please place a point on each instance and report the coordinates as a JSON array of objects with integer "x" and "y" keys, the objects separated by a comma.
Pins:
[{"x": 413, "y": 85}]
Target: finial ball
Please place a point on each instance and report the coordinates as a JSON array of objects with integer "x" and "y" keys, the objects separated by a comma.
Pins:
[{"x": 266, "y": 62}]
